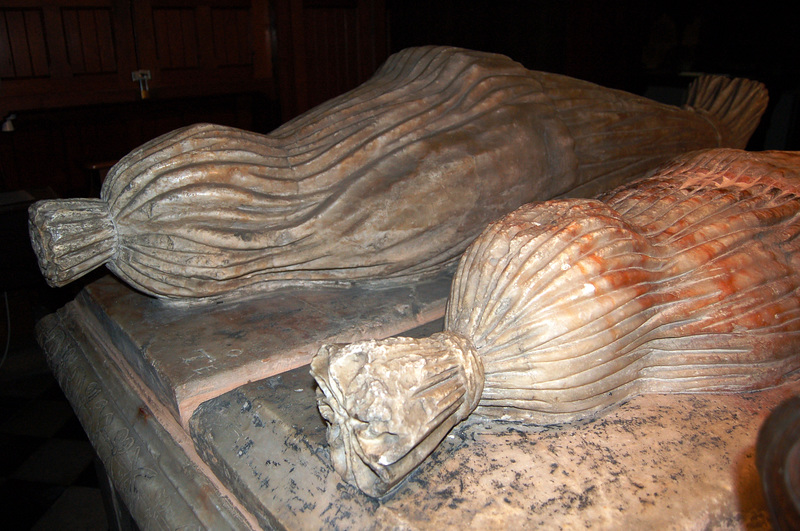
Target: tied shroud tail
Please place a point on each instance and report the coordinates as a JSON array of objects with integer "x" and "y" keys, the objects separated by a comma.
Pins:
[
  {"x": 736, "y": 105},
  {"x": 71, "y": 237},
  {"x": 388, "y": 404}
]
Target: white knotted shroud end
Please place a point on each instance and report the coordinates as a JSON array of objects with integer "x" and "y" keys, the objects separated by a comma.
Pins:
[
  {"x": 389, "y": 403},
  {"x": 71, "y": 237}
]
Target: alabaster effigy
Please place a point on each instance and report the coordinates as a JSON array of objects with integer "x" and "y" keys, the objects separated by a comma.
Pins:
[
  {"x": 686, "y": 281},
  {"x": 386, "y": 183}
]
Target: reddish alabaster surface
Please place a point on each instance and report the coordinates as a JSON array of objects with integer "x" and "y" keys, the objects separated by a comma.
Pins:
[
  {"x": 688, "y": 280},
  {"x": 685, "y": 281}
]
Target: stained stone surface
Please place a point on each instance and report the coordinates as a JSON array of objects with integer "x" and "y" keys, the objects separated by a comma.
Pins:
[
  {"x": 668, "y": 462},
  {"x": 189, "y": 354},
  {"x": 153, "y": 466},
  {"x": 658, "y": 461}
]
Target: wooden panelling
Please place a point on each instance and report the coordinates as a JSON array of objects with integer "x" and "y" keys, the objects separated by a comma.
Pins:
[
  {"x": 232, "y": 36},
  {"x": 66, "y": 52},
  {"x": 344, "y": 44},
  {"x": 175, "y": 38},
  {"x": 56, "y": 148},
  {"x": 202, "y": 46},
  {"x": 89, "y": 40},
  {"x": 59, "y": 53},
  {"x": 326, "y": 47},
  {"x": 331, "y": 42},
  {"x": 23, "y": 49}
]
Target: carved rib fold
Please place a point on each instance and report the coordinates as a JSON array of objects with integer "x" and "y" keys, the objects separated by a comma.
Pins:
[
  {"x": 686, "y": 281},
  {"x": 389, "y": 403},
  {"x": 736, "y": 103},
  {"x": 386, "y": 183}
]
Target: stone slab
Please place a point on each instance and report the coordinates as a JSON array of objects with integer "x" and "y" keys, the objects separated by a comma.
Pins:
[
  {"x": 682, "y": 461},
  {"x": 187, "y": 354},
  {"x": 148, "y": 456}
]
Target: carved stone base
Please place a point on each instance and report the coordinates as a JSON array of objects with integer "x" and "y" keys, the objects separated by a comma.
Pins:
[
  {"x": 147, "y": 456},
  {"x": 188, "y": 354}
]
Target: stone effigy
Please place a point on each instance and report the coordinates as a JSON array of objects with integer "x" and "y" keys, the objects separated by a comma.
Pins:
[
  {"x": 688, "y": 280},
  {"x": 388, "y": 183}
]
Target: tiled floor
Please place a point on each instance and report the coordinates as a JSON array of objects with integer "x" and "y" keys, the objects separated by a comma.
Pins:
[{"x": 48, "y": 477}]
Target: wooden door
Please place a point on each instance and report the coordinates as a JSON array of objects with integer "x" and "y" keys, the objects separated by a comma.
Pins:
[
  {"x": 65, "y": 52},
  {"x": 62, "y": 53},
  {"x": 200, "y": 47},
  {"x": 326, "y": 47}
]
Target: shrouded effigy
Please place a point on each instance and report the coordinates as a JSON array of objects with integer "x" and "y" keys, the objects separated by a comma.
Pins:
[
  {"x": 387, "y": 183},
  {"x": 688, "y": 280}
]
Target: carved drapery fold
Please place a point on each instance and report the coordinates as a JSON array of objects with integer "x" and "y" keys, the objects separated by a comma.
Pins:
[{"x": 386, "y": 183}]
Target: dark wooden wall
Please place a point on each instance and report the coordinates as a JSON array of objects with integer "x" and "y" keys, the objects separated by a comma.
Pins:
[
  {"x": 60, "y": 53},
  {"x": 65, "y": 65},
  {"x": 325, "y": 48},
  {"x": 66, "y": 74},
  {"x": 644, "y": 47},
  {"x": 66, "y": 78}
]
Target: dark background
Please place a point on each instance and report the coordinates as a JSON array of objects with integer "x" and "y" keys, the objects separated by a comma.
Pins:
[
  {"x": 71, "y": 122},
  {"x": 645, "y": 47},
  {"x": 65, "y": 71}
]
